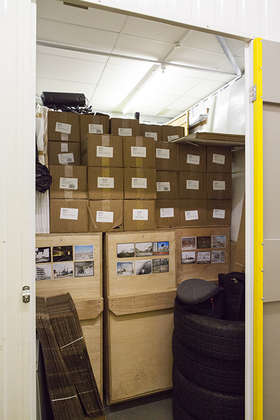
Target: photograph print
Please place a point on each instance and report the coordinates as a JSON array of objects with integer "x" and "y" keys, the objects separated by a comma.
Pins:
[
  {"x": 84, "y": 252},
  {"x": 125, "y": 268},
  {"x": 218, "y": 257},
  {"x": 63, "y": 269},
  {"x": 43, "y": 255},
  {"x": 161, "y": 248},
  {"x": 143, "y": 249},
  {"x": 203, "y": 257},
  {"x": 125, "y": 250},
  {"x": 188, "y": 257},
  {"x": 84, "y": 269},
  {"x": 160, "y": 265},
  {"x": 188, "y": 243},
  {"x": 44, "y": 272},
  {"x": 203, "y": 242},
  {"x": 143, "y": 267},
  {"x": 62, "y": 253},
  {"x": 219, "y": 241}
]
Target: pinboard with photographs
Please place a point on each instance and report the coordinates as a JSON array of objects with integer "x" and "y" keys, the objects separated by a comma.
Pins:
[
  {"x": 202, "y": 252},
  {"x": 140, "y": 261}
]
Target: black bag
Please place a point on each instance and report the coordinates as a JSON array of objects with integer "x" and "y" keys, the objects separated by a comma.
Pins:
[
  {"x": 201, "y": 297},
  {"x": 234, "y": 290}
]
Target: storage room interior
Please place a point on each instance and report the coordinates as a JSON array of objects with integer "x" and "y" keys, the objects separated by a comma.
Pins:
[{"x": 139, "y": 189}]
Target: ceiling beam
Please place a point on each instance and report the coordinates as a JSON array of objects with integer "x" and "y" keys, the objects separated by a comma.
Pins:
[{"x": 223, "y": 43}]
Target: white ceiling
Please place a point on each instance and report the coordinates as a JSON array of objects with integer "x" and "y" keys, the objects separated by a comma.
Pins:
[{"x": 118, "y": 85}]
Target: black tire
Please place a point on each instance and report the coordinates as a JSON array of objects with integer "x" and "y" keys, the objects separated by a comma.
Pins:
[
  {"x": 223, "y": 376},
  {"x": 212, "y": 337},
  {"x": 204, "y": 404},
  {"x": 179, "y": 413}
]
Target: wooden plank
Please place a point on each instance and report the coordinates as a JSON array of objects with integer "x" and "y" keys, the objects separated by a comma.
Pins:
[
  {"x": 221, "y": 139},
  {"x": 132, "y": 304},
  {"x": 202, "y": 271}
]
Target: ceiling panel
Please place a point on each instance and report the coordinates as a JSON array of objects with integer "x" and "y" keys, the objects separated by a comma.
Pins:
[
  {"x": 131, "y": 45},
  {"x": 202, "y": 41}
]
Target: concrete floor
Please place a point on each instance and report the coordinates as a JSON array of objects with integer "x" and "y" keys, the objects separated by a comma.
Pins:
[{"x": 143, "y": 410}]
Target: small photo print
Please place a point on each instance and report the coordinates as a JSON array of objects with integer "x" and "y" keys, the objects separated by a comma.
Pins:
[
  {"x": 160, "y": 265},
  {"x": 84, "y": 252},
  {"x": 203, "y": 257},
  {"x": 84, "y": 269},
  {"x": 203, "y": 242},
  {"x": 218, "y": 257},
  {"x": 219, "y": 241},
  {"x": 44, "y": 272},
  {"x": 63, "y": 269},
  {"x": 43, "y": 255},
  {"x": 161, "y": 248},
  {"x": 143, "y": 267},
  {"x": 62, "y": 253},
  {"x": 125, "y": 250},
  {"x": 125, "y": 269},
  {"x": 143, "y": 249},
  {"x": 189, "y": 243},
  {"x": 188, "y": 257}
]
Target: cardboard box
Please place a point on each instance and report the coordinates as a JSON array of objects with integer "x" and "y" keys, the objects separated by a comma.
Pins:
[
  {"x": 171, "y": 132},
  {"x": 68, "y": 216},
  {"x": 219, "y": 159},
  {"x": 64, "y": 153},
  {"x": 193, "y": 212},
  {"x": 139, "y": 183},
  {"x": 192, "y": 185},
  {"x": 106, "y": 150},
  {"x": 167, "y": 157},
  {"x": 166, "y": 185},
  {"x": 124, "y": 127},
  {"x": 219, "y": 186},
  {"x": 139, "y": 214},
  {"x": 167, "y": 213},
  {"x": 105, "y": 183},
  {"x": 219, "y": 212},
  {"x": 138, "y": 152},
  {"x": 151, "y": 131},
  {"x": 63, "y": 126},
  {"x": 68, "y": 181},
  {"x": 105, "y": 215},
  {"x": 192, "y": 158},
  {"x": 94, "y": 124}
]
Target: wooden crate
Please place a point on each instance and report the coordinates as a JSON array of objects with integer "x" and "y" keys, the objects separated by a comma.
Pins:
[
  {"x": 139, "y": 321},
  {"x": 201, "y": 271},
  {"x": 86, "y": 292}
]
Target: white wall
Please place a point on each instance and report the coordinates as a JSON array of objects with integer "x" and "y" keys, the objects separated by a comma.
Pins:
[{"x": 249, "y": 18}]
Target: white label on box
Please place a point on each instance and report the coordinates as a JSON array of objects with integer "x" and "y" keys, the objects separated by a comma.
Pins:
[
  {"x": 104, "y": 216},
  {"x": 193, "y": 159},
  {"x": 219, "y": 159},
  {"x": 65, "y": 158},
  {"x": 95, "y": 128},
  {"x": 219, "y": 185},
  {"x": 192, "y": 184},
  {"x": 64, "y": 147},
  {"x": 163, "y": 153},
  {"x": 151, "y": 134},
  {"x": 140, "y": 214},
  {"x": 163, "y": 186},
  {"x": 174, "y": 137},
  {"x": 219, "y": 214},
  {"x": 166, "y": 212},
  {"x": 68, "y": 183},
  {"x": 137, "y": 151},
  {"x": 191, "y": 215},
  {"x": 70, "y": 214},
  {"x": 63, "y": 128},
  {"x": 105, "y": 182},
  {"x": 104, "y": 151},
  {"x": 138, "y": 182},
  {"x": 125, "y": 132}
]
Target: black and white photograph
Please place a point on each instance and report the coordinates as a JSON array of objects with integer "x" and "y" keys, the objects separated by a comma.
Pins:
[
  {"x": 143, "y": 249},
  {"x": 160, "y": 265},
  {"x": 84, "y": 252},
  {"x": 62, "y": 253},
  {"x": 203, "y": 242},
  {"x": 161, "y": 248},
  {"x": 44, "y": 272},
  {"x": 84, "y": 269},
  {"x": 203, "y": 257},
  {"x": 125, "y": 250},
  {"x": 63, "y": 269},
  {"x": 219, "y": 241},
  {"x": 218, "y": 257},
  {"x": 125, "y": 268},
  {"x": 188, "y": 257},
  {"x": 43, "y": 255},
  {"x": 188, "y": 243},
  {"x": 143, "y": 267}
]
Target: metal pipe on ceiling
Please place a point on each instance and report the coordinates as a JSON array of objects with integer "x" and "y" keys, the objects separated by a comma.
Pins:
[{"x": 227, "y": 51}]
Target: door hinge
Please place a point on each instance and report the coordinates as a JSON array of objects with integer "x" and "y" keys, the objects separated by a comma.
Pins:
[
  {"x": 252, "y": 94},
  {"x": 26, "y": 294}
]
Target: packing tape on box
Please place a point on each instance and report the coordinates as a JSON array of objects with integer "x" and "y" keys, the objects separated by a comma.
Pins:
[
  {"x": 105, "y": 161},
  {"x": 68, "y": 173},
  {"x": 139, "y": 143}
]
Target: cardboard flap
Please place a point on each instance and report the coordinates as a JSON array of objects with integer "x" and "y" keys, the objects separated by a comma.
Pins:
[
  {"x": 89, "y": 308},
  {"x": 146, "y": 302}
]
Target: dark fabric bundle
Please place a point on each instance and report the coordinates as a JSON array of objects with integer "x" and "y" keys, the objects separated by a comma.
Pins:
[
  {"x": 201, "y": 297},
  {"x": 43, "y": 178},
  {"x": 234, "y": 287},
  {"x": 69, "y": 336}
]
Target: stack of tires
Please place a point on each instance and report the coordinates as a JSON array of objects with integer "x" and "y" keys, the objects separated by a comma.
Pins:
[{"x": 208, "y": 375}]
